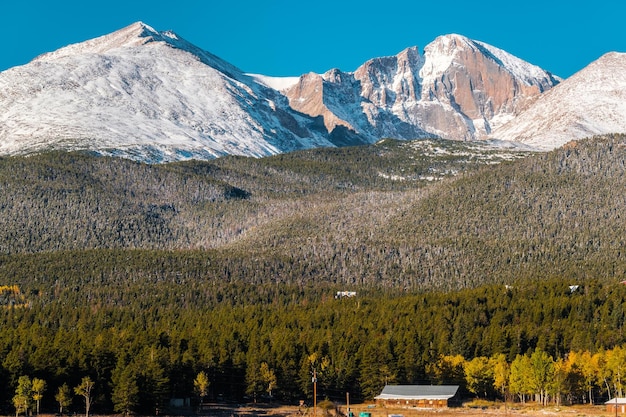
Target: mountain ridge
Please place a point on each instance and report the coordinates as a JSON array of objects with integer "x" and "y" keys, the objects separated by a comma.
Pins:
[
  {"x": 456, "y": 90},
  {"x": 138, "y": 34},
  {"x": 154, "y": 97},
  {"x": 155, "y": 102}
]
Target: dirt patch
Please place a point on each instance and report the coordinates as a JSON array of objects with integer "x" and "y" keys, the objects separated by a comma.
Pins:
[{"x": 514, "y": 410}]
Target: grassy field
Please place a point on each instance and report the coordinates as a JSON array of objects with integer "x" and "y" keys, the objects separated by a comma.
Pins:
[
  {"x": 512, "y": 410},
  {"x": 465, "y": 411}
]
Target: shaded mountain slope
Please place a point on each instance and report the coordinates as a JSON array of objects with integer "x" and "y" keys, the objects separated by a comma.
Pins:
[
  {"x": 61, "y": 201},
  {"x": 533, "y": 218}
]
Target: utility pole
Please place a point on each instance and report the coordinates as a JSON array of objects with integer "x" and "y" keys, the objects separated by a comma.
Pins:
[
  {"x": 314, "y": 392},
  {"x": 348, "y": 404}
]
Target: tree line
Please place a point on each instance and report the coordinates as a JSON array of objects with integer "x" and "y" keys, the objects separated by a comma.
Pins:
[
  {"x": 143, "y": 346},
  {"x": 578, "y": 377}
]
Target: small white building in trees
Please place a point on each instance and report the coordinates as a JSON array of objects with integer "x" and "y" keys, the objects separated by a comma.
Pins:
[{"x": 344, "y": 294}]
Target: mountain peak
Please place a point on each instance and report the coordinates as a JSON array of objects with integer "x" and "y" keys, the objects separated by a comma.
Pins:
[
  {"x": 610, "y": 59},
  {"x": 450, "y": 42},
  {"x": 454, "y": 48},
  {"x": 458, "y": 89},
  {"x": 135, "y": 34},
  {"x": 139, "y": 25},
  {"x": 137, "y": 30},
  {"x": 450, "y": 46}
]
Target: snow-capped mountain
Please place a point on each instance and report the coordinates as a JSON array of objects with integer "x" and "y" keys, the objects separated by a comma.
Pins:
[
  {"x": 152, "y": 96},
  {"x": 146, "y": 95},
  {"x": 459, "y": 89},
  {"x": 590, "y": 102}
]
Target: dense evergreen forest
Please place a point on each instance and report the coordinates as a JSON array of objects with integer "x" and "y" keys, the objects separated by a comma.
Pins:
[{"x": 143, "y": 277}]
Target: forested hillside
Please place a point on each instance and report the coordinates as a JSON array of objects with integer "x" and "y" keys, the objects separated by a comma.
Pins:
[
  {"x": 61, "y": 201},
  {"x": 550, "y": 215},
  {"x": 143, "y": 276}
]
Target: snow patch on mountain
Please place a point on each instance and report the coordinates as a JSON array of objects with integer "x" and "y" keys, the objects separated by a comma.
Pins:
[
  {"x": 277, "y": 83},
  {"x": 590, "y": 102},
  {"x": 141, "y": 92},
  {"x": 519, "y": 68}
]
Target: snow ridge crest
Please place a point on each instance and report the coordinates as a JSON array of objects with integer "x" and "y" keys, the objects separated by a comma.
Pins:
[{"x": 135, "y": 34}]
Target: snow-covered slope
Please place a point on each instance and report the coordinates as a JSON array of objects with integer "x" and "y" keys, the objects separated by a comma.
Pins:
[
  {"x": 146, "y": 95},
  {"x": 590, "y": 102},
  {"x": 458, "y": 89},
  {"x": 154, "y": 97}
]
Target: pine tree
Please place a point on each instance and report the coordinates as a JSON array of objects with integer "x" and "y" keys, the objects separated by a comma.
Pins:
[{"x": 125, "y": 394}]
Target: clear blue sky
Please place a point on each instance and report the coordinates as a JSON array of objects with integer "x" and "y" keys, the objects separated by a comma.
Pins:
[{"x": 280, "y": 37}]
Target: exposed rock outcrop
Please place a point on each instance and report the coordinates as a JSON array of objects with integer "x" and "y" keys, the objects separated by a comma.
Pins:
[{"x": 459, "y": 89}]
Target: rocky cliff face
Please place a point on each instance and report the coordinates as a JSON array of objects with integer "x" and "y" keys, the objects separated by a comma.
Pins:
[{"x": 458, "y": 89}]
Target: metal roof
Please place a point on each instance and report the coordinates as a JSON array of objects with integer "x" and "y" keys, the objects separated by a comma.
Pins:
[
  {"x": 418, "y": 392},
  {"x": 619, "y": 401}
]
